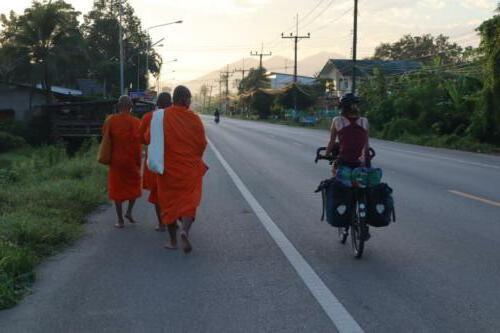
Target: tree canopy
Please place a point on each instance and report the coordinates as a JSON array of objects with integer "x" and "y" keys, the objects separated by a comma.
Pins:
[
  {"x": 424, "y": 48},
  {"x": 46, "y": 44},
  {"x": 39, "y": 43},
  {"x": 101, "y": 31}
]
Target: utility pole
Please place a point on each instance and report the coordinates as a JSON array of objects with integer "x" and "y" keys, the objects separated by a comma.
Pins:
[
  {"x": 220, "y": 91},
  {"x": 261, "y": 54},
  {"x": 204, "y": 95},
  {"x": 210, "y": 97},
  {"x": 225, "y": 78},
  {"x": 354, "y": 46},
  {"x": 138, "y": 70},
  {"x": 242, "y": 70},
  {"x": 296, "y": 39},
  {"x": 122, "y": 80}
]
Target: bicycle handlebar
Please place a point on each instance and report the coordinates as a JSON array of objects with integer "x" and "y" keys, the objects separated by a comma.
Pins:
[{"x": 331, "y": 158}]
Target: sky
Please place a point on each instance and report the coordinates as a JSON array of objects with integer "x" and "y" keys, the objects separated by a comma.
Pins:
[{"x": 217, "y": 32}]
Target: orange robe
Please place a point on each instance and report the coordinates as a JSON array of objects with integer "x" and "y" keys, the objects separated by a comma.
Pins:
[
  {"x": 124, "y": 176},
  {"x": 180, "y": 186},
  {"x": 148, "y": 177}
]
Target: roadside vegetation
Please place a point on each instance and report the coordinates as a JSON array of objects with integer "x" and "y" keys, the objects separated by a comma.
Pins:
[{"x": 44, "y": 199}]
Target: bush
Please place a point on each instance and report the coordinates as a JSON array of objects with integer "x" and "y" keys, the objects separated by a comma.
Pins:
[
  {"x": 41, "y": 236},
  {"x": 16, "y": 271},
  {"x": 45, "y": 196},
  {"x": 9, "y": 142},
  {"x": 398, "y": 128}
]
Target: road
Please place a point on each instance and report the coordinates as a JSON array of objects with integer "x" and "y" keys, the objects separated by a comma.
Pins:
[{"x": 263, "y": 262}]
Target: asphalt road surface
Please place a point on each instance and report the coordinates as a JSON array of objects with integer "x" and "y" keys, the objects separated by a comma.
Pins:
[{"x": 263, "y": 261}]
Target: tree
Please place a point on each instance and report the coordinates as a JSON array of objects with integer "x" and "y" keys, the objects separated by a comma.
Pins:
[
  {"x": 424, "y": 48},
  {"x": 101, "y": 31},
  {"x": 255, "y": 79},
  {"x": 486, "y": 122},
  {"x": 38, "y": 44}
]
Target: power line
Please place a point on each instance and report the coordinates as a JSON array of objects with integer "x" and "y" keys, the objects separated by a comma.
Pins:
[
  {"x": 319, "y": 14},
  {"x": 312, "y": 10}
]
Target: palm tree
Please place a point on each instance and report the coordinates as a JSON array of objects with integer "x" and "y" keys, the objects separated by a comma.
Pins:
[{"x": 48, "y": 38}]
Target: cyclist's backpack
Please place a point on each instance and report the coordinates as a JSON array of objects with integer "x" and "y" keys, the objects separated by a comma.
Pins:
[
  {"x": 337, "y": 202},
  {"x": 380, "y": 205}
]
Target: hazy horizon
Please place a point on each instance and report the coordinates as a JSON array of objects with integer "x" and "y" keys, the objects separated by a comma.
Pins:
[{"x": 218, "y": 32}]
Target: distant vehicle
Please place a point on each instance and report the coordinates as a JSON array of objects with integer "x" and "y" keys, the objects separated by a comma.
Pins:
[{"x": 217, "y": 116}]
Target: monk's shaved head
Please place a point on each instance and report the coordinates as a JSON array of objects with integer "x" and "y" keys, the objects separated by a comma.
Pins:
[
  {"x": 164, "y": 100},
  {"x": 124, "y": 103},
  {"x": 182, "y": 96}
]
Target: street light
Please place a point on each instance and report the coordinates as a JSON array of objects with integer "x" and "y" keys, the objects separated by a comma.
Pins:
[
  {"x": 159, "y": 75},
  {"x": 150, "y": 46}
]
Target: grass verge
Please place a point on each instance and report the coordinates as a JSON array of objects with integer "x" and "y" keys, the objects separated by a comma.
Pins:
[{"x": 45, "y": 196}]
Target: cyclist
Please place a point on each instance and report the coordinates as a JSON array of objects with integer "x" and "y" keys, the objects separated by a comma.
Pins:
[{"x": 349, "y": 135}]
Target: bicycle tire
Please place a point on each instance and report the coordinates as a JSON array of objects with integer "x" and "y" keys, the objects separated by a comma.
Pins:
[{"x": 357, "y": 234}]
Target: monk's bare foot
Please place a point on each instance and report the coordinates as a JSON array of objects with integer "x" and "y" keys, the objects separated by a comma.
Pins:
[
  {"x": 120, "y": 225},
  {"x": 160, "y": 228},
  {"x": 129, "y": 217},
  {"x": 186, "y": 245},
  {"x": 172, "y": 245}
]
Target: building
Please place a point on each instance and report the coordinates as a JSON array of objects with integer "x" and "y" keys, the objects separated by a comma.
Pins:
[
  {"x": 339, "y": 71},
  {"x": 90, "y": 87},
  {"x": 18, "y": 101},
  {"x": 280, "y": 80}
]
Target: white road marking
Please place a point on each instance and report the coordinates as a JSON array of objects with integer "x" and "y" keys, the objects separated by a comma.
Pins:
[
  {"x": 298, "y": 144},
  {"x": 437, "y": 157},
  {"x": 473, "y": 197},
  {"x": 338, "y": 314}
]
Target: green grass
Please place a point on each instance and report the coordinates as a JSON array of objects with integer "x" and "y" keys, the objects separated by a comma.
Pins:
[{"x": 44, "y": 200}]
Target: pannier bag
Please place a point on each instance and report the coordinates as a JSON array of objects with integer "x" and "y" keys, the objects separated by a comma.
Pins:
[
  {"x": 337, "y": 202},
  {"x": 380, "y": 205}
]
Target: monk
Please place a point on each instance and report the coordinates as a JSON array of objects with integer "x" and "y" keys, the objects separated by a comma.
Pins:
[
  {"x": 149, "y": 178},
  {"x": 124, "y": 176},
  {"x": 180, "y": 186}
]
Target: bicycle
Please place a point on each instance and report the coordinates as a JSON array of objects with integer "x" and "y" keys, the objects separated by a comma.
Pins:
[{"x": 358, "y": 224}]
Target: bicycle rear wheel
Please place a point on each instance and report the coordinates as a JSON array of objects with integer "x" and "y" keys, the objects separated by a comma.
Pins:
[{"x": 357, "y": 232}]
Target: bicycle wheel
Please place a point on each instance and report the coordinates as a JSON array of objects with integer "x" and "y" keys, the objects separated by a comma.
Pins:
[
  {"x": 343, "y": 233},
  {"x": 357, "y": 233}
]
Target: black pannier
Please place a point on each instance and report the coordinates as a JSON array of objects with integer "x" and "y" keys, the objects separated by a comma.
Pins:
[
  {"x": 380, "y": 205},
  {"x": 337, "y": 202}
]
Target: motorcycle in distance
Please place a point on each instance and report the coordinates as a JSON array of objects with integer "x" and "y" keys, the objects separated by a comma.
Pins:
[{"x": 217, "y": 116}]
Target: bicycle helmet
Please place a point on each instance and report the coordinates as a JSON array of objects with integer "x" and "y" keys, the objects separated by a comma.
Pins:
[{"x": 349, "y": 99}]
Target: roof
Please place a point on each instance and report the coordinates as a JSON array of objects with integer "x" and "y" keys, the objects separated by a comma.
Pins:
[
  {"x": 89, "y": 86},
  {"x": 291, "y": 75},
  {"x": 55, "y": 89},
  {"x": 62, "y": 90},
  {"x": 366, "y": 67}
]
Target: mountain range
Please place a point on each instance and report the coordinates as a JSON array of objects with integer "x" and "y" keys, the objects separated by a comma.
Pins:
[{"x": 309, "y": 66}]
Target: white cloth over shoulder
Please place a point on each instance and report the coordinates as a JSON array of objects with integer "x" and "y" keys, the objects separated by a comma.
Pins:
[{"x": 156, "y": 145}]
